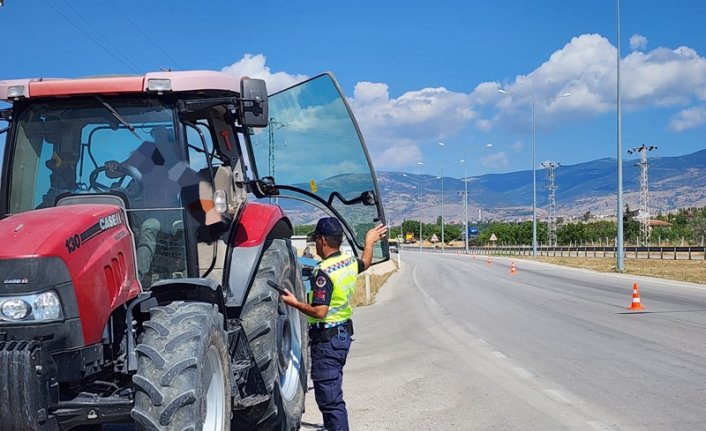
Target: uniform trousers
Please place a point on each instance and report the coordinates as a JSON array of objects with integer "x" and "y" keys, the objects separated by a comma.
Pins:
[{"x": 327, "y": 360}]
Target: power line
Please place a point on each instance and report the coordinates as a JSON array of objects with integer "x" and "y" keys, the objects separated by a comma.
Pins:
[
  {"x": 127, "y": 18},
  {"x": 88, "y": 35},
  {"x": 88, "y": 23}
]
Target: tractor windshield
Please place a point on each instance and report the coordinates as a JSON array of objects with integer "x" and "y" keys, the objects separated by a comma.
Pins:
[
  {"x": 315, "y": 152},
  {"x": 121, "y": 146},
  {"x": 63, "y": 148}
]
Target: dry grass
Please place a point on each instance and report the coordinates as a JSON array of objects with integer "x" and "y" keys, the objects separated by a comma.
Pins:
[
  {"x": 376, "y": 283},
  {"x": 683, "y": 270}
]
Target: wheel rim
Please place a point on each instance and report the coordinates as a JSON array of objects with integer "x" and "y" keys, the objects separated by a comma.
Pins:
[
  {"x": 289, "y": 337},
  {"x": 215, "y": 394}
]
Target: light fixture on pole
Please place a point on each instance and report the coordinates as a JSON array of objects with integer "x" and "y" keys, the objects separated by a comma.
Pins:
[
  {"x": 443, "y": 241},
  {"x": 533, "y": 102},
  {"x": 421, "y": 183},
  {"x": 465, "y": 184}
]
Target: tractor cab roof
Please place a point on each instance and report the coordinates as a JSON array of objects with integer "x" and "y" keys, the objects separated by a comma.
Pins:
[{"x": 205, "y": 81}]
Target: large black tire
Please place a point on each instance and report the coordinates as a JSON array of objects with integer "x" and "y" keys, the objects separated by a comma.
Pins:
[
  {"x": 183, "y": 377},
  {"x": 278, "y": 338}
]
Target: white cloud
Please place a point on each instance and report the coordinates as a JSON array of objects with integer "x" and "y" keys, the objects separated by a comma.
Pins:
[
  {"x": 688, "y": 119},
  {"x": 496, "y": 160},
  {"x": 638, "y": 42},
  {"x": 517, "y": 146},
  {"x": 395, "y": 154},
  {"x": 484, "y": 124},
  {"x": 429, "y": 113},
  {"x": 399, "y": 128},
  {"x": 395, "y": 128},
  {"x": 253, "y": 66},
  {"x": 585, "y": 67}
]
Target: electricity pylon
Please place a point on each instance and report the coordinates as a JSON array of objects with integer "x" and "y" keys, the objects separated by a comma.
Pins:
[
  {"x": 644, "y": 214},
  {"x": 551, "y": 187}
]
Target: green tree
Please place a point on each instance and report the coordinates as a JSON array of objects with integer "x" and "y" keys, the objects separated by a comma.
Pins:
[{"x": 697, "y": 230}]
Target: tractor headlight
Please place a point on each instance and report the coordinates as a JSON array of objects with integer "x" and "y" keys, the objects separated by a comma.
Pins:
[
  {"x": 40, "y": 307},
  {"x": 15, "y": 309},
  {"x": 46, "y": 306}
]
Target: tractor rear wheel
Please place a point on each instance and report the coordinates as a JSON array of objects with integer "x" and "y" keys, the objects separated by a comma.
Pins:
[
  {"x": 183, "y": 370},
  {"x": 278, "y": 339}
]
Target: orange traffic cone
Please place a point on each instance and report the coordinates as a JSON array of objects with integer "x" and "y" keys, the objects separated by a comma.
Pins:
[
  {"x": 474, "y": 256},
  {"x": 513, "y": 269},
  {"x": 490, "y": 260},
  {"x": 635, "y": 299}
]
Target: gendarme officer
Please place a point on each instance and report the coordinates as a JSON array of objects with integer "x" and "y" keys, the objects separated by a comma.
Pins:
[{"x": 329, "y": 314}]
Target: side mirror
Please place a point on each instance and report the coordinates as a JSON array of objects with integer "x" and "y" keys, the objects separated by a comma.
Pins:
[{"x": 253, "y": 103}]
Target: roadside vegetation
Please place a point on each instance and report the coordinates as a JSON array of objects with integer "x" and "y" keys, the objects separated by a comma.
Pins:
[
  {"x": 684, "y": 227},
  {"x": 376, "y": 283},
  {"x": 693, "y": 271}
]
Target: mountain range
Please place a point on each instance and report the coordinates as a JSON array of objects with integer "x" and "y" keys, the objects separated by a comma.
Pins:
[{"x": 673, "y": 182}]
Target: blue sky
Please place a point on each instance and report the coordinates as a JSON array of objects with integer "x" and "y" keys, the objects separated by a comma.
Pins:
[{"x": 416, "y": 73}]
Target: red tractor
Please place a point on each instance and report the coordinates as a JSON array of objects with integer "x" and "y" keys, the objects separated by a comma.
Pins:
[{"x": 142, "y": 250}]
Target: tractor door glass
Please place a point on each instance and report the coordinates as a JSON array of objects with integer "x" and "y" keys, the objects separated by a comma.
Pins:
[{"x": 314, "y": 146}]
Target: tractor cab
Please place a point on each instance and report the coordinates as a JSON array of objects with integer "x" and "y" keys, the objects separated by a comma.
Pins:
[{"x": 163, "y": 152}]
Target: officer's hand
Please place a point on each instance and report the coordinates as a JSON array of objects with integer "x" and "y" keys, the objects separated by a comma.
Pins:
[
  {"x": 289, "y": 298},
  {"x": 375, "y": 234}
]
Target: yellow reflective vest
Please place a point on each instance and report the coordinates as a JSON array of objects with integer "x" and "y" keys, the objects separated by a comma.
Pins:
[{"x": 343, "y": 272}]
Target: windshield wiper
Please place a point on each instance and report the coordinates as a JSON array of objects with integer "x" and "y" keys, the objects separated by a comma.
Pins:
[{"x": 118, "y": 116}]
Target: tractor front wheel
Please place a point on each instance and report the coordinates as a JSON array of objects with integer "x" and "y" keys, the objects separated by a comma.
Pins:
[{"x": 183, "y": 370}]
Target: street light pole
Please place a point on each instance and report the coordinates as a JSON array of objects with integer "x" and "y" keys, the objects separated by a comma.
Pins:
[
  {"x": 533, "y": 102},
  {"x": 465, "y": 185},
  {"x": 443, "y": 243},
  {"x": 534, "y": 186},
  {"x": 421, "y": 185},
  {"x": 620, "y": 260}
]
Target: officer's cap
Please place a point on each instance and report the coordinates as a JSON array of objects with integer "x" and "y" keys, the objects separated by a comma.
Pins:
[{"x": 327, "y": 226}]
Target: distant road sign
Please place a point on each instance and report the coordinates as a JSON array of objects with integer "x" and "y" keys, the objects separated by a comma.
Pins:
[{"x": 493, "y": 237}]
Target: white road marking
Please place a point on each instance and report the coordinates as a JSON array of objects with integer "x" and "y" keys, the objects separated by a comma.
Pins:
[
  {"x": 522, "y": 372},
  {"x": 557, "y": 396}
]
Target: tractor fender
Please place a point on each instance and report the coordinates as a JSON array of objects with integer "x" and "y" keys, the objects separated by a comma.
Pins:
[
  {"x": 257, "y": 224},
  {"x": 163, "y": 292},
  {"x": 189, "y": 289}
]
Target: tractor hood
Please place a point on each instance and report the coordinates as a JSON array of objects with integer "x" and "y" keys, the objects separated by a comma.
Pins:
[
  {"x": 314, "y": 151},
  {"x": 58, "y": 231}
]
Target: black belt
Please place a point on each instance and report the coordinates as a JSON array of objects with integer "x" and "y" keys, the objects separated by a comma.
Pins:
[{"x": 325, "y": 334}]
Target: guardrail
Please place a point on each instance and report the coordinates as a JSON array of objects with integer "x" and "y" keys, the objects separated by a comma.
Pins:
[{"x": 639, "y": 252}]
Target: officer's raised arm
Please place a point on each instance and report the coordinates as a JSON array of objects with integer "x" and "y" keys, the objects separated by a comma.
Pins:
[{"x": 371, "y": 237}]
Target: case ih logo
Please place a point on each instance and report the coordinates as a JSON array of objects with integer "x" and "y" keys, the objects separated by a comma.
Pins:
[
  {"x": 16, "y": 281},
  {"x": 109, "y": 221},
  {"x": 74, "y": 242}
]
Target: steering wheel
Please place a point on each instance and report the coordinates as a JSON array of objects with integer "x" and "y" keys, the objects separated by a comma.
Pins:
[{"x": 133, "y": 189}]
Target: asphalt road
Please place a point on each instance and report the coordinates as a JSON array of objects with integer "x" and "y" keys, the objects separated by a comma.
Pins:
[{"x": 454, "y": 343}]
